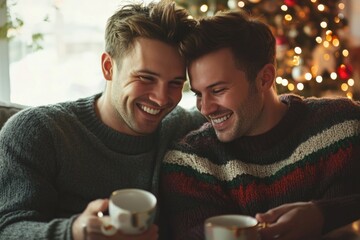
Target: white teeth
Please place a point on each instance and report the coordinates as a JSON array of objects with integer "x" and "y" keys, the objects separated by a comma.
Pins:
[
  {"x": 220, "y": 120},
  {"x": 150, "y": 110}
]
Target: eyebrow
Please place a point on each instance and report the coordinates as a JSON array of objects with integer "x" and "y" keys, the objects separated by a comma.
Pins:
[
  {"x": 210, "y": 86},
  {"x": 145, "y": 71}
]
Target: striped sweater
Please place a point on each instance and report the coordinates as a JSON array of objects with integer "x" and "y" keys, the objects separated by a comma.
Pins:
[{"x": 313, "y": 153}]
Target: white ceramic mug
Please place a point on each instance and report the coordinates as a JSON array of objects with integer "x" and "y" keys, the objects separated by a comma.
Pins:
[
  {"x": 132, "y": 211},
  {"x": 232, "y": 227}
]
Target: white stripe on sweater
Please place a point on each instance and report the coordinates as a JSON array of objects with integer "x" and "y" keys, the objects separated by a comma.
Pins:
[{"x": 234, "y": 168}]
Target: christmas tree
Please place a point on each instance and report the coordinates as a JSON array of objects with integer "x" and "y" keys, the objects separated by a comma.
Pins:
[{"x": 312, "y": 55}]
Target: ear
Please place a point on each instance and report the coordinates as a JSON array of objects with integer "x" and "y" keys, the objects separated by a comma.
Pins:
[
  {"x": 107, "y": 66},
  {"x": 267, "y": 76}
]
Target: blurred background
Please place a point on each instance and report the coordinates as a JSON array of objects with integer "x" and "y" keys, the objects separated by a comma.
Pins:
[{"x": 50, "y": 49}]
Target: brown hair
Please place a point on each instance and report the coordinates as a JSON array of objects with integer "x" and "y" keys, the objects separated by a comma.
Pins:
[
  {"x": 163, "y": 21},
  {"x": 250, "y": 40}
]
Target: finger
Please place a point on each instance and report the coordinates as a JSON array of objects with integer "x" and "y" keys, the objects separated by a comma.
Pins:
[
  {"x": 93, "y": 225},
  {"x": 273, "y": 231},
  {"x": 273, "y": 214},
  {"x": 99, "y": 205}
]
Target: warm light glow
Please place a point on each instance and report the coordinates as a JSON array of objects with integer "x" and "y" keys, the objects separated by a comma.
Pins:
[
  {"x": 323, "y": 24},
  {"x": 291, "y": 87},
  {"x": 297, "y": 50},
  {"x": 319, "y": 79},
  {"x": 344, "y": 87},
  {"x": 204, "y": 8},
  {"x": 313, "y": 1},
  {"x": 336, "y": 42},
  {"x": 351, "y": 82},
  {"x": 328, "y": 37},
  {"x": 336, "y": 19},
  {"x": 341, "y": 6},
  {"x": 288, "y": 17},
  {"x": 326, "y": 57},
  {"x": 345, "y": 53},
  {"x": 328, "y": 32},
  {"x": 314, "y": 69},
  {"x": 318, "y": 39},
  {"x": 333, "y": 75},
  {"x": 308, "y": 76},
  {"x": 278, "y": 80},
  {"x": 284, "y": 8},
  {"x": 296, "y": 60},
  {"x": 326, "y": 44},
  {"x": 300, "y": 86},
  {"x": 284, "y": 82},
  {"x": 356, "y": 226},
  {"x": 321, "y": 7},
  {"x": 241, "y": 4},
  {"x": 350, "y": 96}
]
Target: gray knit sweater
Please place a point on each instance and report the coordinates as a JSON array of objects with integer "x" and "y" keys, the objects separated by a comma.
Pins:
[{"x": 55, "y": 159}]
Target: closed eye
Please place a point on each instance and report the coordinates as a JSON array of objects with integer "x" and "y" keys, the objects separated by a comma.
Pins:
[
  {"x": 146, "y": 78},
  {"x": 218, "y": 90},
  {"x": 177, "y": 83}
]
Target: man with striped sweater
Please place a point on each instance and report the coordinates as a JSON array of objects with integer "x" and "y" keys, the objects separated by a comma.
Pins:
[{"x": 296, "y": 159}]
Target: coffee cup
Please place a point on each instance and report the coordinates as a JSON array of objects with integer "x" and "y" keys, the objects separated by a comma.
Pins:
[
  {"x": 132, "y": 211},
  {"x": 232, "y": 227}
]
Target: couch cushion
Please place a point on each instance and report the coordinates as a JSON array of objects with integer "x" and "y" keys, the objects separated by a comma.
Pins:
[{"x": 7, "y": 110}]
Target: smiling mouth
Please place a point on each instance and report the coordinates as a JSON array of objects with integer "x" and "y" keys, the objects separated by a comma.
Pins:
[
  {"x": 220, "y": 119},
  {"x": 149, "y": 110}
]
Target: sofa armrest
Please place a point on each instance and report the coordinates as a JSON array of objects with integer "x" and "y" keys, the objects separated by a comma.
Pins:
[{"x": 7, "y": 110}]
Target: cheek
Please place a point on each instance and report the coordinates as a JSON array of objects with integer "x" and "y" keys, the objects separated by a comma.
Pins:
[{"x": 175, "y": 94}]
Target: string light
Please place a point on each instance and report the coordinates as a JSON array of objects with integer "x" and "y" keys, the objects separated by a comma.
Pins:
[
  {"x": 351, "y": 82},
  {"x": 241, "y": 4},
  {"x": 204, "y": 8},
  {"x": 319, "y": 79},
  {"x": 284, "y": 8},
  {"x": 291, "y": 87},
  {"x": 300, "y": 86},
  {"x": 321, "y": 7},
  {"x": 296, "y": 71}
]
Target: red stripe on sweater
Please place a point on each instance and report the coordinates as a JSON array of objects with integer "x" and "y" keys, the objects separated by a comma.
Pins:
[
  {"x": 300, "y": 179},
  {"x": 297, "y": 180}
]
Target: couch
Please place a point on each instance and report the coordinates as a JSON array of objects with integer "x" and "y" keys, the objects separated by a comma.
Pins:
[{"x": 7, "y": 110}]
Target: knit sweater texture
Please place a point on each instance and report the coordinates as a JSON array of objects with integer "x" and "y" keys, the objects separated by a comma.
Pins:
[
  {"x": 55, "y": 159},
  {"x": 312, "y": 154}
]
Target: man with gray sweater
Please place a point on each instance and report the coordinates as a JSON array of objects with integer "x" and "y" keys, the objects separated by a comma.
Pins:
[{"x": 59, "y": 163}]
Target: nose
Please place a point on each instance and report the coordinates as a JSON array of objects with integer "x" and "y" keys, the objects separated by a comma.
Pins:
[
  {"x": 206, "y": 105},
  {"x": 160, "y": 95}
]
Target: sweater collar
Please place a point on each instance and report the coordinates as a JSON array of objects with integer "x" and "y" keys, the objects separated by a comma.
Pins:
[
  {"x": 295, "y": 114},
  {"x": 113, "y": 139}
]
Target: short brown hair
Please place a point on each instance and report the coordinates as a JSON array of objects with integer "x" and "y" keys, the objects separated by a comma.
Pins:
[
  {"x": 163, "y": 21},
  {"x": 250, "y": 40}
]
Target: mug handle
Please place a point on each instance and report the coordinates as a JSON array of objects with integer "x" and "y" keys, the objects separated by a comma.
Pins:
[
  {"x": 262, "y": 225},
  {"x": 106, "y": 227}
]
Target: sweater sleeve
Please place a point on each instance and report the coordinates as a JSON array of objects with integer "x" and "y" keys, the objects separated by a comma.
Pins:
[
  {"x": 339, "y": 211},
  {"x": 28, "y": 196}
]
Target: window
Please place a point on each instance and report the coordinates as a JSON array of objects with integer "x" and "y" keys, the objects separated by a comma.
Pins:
[
  {"x": 70, "y": 34},
  {"x": 68, "y": 65}
]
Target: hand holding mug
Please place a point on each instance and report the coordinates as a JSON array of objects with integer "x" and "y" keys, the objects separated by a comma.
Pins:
[
  {"x": 296, "y": 221},
  {"x": 91, "y": 224},
  {"x": 132, "y": 211}
]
